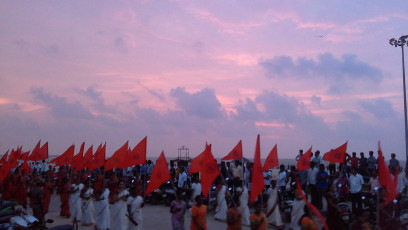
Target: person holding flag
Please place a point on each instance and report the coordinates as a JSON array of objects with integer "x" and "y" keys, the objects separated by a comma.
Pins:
[
  {"x": 134, "y": 207},
  {"x": 221, "y": 209}
]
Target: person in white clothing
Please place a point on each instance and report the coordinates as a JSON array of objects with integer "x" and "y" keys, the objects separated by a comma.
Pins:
[
  {"x": 196, "y": 190},
  {"x": 297, "y": 211},
  {"x": 135, "y": 204},
  {"x": 87, "y": 207},
  {"x": 356, "y": 183},
  {"x": 281, "y": 180},
  {"x": 267, "y": 178},
  {"x": 243, "y": 204},
  {"x": 273, "y": 214},
  {"x": 74, "y": 199},
  {"x": 221, "y": 209},
  {"x": 102, "y": 212},
  {"x": 182, "y": 178},
  {"x": 374, "y": 183},
  {"x": 119, "y": 209}
]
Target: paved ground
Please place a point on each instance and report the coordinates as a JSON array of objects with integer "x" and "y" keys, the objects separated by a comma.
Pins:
[{"x": 154, "y": 217}]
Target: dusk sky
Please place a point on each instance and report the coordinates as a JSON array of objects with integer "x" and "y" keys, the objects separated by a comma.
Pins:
[{"x": 299, "y": 73}]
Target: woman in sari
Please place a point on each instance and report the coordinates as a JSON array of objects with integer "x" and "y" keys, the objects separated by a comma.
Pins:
[
  {"x": 118, "y": 211},
  {"x": 177, "y": 210}
]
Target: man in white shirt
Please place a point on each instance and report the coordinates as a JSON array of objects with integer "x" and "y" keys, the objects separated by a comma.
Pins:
[
  {"x": 182, "y": 179},
  {"x": 356, "y": 183},
  {"x": 281, "y": 180},
  {"x": 267, "y": 178}
]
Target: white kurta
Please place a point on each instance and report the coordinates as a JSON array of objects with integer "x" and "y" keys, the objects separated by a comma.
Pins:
[
  {"x": 275, "y": 218},
  {"x": 102, "y": 212},
  {"x": 87, "y": 208},
  {"x": 221, "y": 210},
  {"x": 196, "y": 189},
  {"x": 75, "y": 201},
  {"x": 118, "y": 213},
  {"x": 297, "y": 213},
  {"x": 136, "y": 212},
  {"x": 243, "y": 200}
]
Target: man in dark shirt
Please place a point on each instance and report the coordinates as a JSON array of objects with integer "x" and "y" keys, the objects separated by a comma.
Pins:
[
  {"x": 36, "y": 196},
  {"x": 321, "y": 184},
  {"x": 363, "y": 164}
]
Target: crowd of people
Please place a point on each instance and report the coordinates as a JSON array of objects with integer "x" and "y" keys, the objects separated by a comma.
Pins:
[{"x": 114, "y": 199}]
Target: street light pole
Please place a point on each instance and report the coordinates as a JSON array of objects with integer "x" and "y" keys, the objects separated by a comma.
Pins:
[{"x": 401, "y": 42}]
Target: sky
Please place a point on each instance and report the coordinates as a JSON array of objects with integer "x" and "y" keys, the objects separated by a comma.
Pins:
[{"x": 298, "y": 73}]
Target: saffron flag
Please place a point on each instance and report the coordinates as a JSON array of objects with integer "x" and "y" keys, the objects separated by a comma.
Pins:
[
  {"x": 4, "y": 172},
  {"x": 12, "y": 160},
  {"x": 65, "y": 158},
  {"x": 311, "y": 206},
  {"x": 160, "y": 174},
  {"x": 304, "y": 161},
  {"x": 272, "y": 159},
  {"x": 35, "y": 151},
  {"x": 138, "y": 155},
  {"x": 209, "y": 170},
  {"x": 196, "y": 163},
  {"x": 25, "y": 169},
  {"x": 24, "y": 156},
  {"x": 118, "y": 159},
  {"x": 384, "y": 176},
  {"x": 257, "y": 178},
  {"x": 236, "y": 152},
  {"x": 98, "y": 158},
  {"x": 87, "y": 159},
  {"x": 78, "y": 158},
  {"x": 4, "y": 158},
  {"x": 336, "y": 155}
]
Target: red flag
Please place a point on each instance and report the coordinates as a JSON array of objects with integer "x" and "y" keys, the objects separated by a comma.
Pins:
[
  {"x": 304, "y": 161},
  {"x": 78, "y": 159},
  {"x": 4, "y": 158},
  {"x": 35, "y": 151},
  {"x": 197, "y": 162},
  {"x": 65, "y": 158},
  {"x": 138, "y": 155},
  {"x": 257, "y": 178},
  {"x": 25, "y": 169},
  {"x": 118, "y": 159},
  {"x": 98, "y": 158},
  {"x": 384, "y": 176},
  {"x": 24, "y": 156},
  {"x": 209, "y": 170},
  {"x": 236, "y": 153},
  {"x": 4, "y": 172},
  {"x": 87, "y": 159},
  {"x": 336, "y": 155},
  {"x": 272, "y": 159},
  {"x": 43, "y": 153},
  {"x": 12, "y": 160},
  {"x": 160, "y": 174},
  {"x": 311, "y": 206}
]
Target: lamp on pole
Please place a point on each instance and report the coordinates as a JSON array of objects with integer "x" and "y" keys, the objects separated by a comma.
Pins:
[{"x": 401, "y": 42}]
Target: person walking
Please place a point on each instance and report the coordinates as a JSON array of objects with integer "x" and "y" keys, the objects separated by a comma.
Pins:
[
  {"x": 234, "y": 215},
  {"x": 177, "y": 210},
  {"x": 36, "y": 195},
  {"x": 87, "y": 206},
  {"x": 118, "y": 211},
  {"x": 74, "y": 200},
  {"x": 102, "y": 212},
  {"x": 272, "y": 210},
  {"x": 134, "y": 207},
  {"x": 221, "y": 209},
  {"x": 198, "y": 215}
]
